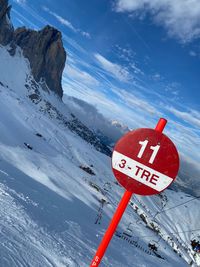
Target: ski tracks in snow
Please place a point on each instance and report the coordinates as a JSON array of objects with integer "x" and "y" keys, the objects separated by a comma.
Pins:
[{"x": 22, "y": 242}]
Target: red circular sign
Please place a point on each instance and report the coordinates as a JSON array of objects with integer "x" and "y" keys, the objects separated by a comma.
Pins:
[{"x": 145, "y": 161}]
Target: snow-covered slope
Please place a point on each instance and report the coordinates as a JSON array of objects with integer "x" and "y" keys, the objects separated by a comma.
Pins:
[{"x": 58, "y": 194}]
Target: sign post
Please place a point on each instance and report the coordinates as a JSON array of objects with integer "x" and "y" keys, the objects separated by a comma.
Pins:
[{"x": 144, "y": 162}]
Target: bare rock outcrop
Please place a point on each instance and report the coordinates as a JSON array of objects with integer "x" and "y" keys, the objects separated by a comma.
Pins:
[
  {"x": 44, "y": 49},
  {"x": 6, "y": 28},
  {"x": 46, "y": 54}
]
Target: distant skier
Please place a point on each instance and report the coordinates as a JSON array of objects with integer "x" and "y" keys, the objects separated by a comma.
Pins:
[
  {"x": 28, "y": 146},
  {"x": 152, "y": 247},
  {"x": 38, "y": 134},
  {"x": 197, "y": 248},
  {"x": 195, "y": 245}
]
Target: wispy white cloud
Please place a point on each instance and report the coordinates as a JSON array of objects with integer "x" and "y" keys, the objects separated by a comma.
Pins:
[
  {"x": 116, "y": 70},
  {"x": 32, "y": 16},
  {"x": 180, "y": 18},
  {"x": 66, "y": 22},
  {"x": 124, "y": 53},
  {"x": 80, "y": 75},
  {"x": 20, "y": 21},
  {"x": 20, "y": 2},
  {"x": 156, "y": 77},
  {"x": 24, "y": 19},
  {"x": 135, "y": 102},
  {"x": 192, "y": 116},
  {"x": 192, "y": 53},
  {"x": 61, "y": 19},
  {"x": 86, "y": 34},
  {"x": 173, "y": 89},
  {"x": 143, "y": 105}
]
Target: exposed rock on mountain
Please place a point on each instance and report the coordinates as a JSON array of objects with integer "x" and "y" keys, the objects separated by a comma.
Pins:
[
  {"x": 6, "y": 28},
  {"x": 44, "y": 49},
  {"x": 46, "y": 54}
]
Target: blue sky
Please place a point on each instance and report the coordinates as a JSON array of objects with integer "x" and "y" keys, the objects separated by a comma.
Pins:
[{"x": 135, "y": 60}]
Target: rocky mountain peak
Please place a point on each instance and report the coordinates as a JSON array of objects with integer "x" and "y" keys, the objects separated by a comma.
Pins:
[
  {"x": 46, "y": 55},
  {"x": 44, "y": 49},
  {"x": 6, "y": 28}
]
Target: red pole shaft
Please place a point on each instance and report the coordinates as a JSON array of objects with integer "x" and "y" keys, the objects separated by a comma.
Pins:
[
  {"x": 118, "y": 214},
  {"x": 161, "y": 125},
  {"x": 111, "y": 229}
]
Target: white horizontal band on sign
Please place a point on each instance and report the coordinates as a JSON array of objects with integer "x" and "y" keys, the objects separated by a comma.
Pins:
[{"x": 140, "y": 172}]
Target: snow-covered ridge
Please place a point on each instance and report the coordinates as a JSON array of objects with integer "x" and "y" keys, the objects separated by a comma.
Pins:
[{"x": 57, "y": 192}]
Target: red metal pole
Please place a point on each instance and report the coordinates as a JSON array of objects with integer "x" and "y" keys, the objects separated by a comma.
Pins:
[
  {"x": 118, "y": 214},
  {"x": 161, "y": 125},
  {"x": 111, "y": 229}
]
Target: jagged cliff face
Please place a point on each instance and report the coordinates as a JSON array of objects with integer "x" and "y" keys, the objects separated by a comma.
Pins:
[
  {"x": 44, "y": 49},
  {"x": 6, "y": 28},
  {"x": 46, "y": 54}
]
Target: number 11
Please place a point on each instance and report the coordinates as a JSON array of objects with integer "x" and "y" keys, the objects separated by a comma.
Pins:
[{"x": 142, "y": 149}]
